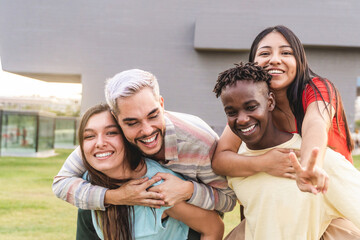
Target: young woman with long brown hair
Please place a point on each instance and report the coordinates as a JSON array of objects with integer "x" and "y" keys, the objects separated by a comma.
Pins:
[{"x": 111, "y": 161}]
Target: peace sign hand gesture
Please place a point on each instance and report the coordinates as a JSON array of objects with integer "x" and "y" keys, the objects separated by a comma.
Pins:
[{"x": 310, "y": 178}]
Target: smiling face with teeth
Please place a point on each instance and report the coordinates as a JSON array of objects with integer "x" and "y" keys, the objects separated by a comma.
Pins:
[
  {"x": 141, "y": 117},
  {"x": 248, "y": 107},
  {"x": 103, "y": 145},
  {"x": 275, "y": 54}
]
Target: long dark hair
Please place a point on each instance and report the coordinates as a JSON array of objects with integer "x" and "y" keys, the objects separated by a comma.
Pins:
[
  {"x": 304, "y": 76},
  {"x": 115, "y": 221}
]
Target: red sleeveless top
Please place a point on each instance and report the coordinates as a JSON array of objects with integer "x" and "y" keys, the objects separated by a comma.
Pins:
[{"x": 336, "y": 135}]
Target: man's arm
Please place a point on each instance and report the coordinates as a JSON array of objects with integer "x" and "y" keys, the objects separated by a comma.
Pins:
[
  {"x": 215, "y": 195},
  {"x": 206, "y": 189},
  {"x": 69, "y": 186}
]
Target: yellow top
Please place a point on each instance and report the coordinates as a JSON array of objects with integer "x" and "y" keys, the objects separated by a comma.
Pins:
[{"x": 276, "y": 209}]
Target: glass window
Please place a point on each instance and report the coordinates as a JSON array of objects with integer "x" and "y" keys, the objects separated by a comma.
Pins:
[
  {"x": 65, "y": 133},
  {"x": 18, "y": 133},
  {"x": 46, "y": 133}
]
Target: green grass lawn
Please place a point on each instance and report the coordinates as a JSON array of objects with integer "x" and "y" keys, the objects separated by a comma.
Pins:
[
  {"x": 29, "y": 209},
  {"x": 357, "y": 161}
]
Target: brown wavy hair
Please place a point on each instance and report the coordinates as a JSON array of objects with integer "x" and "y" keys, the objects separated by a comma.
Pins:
[{"x": 116, "y": 220}]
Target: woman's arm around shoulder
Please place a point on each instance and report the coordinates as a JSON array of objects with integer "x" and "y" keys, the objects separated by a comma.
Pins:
[{"x": 228, "y": 162}]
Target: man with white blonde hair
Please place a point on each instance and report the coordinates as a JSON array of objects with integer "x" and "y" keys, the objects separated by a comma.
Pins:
[{"x": 180, "y": 142}]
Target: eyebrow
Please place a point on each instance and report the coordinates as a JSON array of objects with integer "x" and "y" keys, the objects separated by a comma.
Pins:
[
  {"x": 228, "y": 107},
  {"x": 282, "y": 46},
  {"x": 107, "y": 127},
  {"x": 134, "y": 119},
  {"x": 251, "y": 101}
]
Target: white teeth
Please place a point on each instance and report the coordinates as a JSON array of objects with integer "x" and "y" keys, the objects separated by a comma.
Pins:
[
  {"x": 149, "y": 140},
  {"x": 248, "y": 129},
  {"x": 274, "y": 71},
  {"x": 100, "y": 155}
]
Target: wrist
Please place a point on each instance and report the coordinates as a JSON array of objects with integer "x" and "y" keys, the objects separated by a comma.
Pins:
[
  {"x": 114, "y": 197},
  {"x": 259, "y": 164},
  {"x": 108, "y": 199},
  {"x": 189, "y": 190}
]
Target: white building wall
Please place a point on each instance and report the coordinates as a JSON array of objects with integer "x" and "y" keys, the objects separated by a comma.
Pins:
[{"x": 97, "y": 39}]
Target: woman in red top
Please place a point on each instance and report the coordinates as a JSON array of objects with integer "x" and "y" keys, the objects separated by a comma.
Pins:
[{"x": 305, "y": 103}]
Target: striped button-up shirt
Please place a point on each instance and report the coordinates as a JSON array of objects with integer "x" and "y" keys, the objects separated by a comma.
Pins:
[{"x": 189, "y": 146}]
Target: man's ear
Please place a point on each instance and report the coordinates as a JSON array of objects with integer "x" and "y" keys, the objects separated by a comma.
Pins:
[
  {"x": 271, "y": 101},
  {"x": 161, "y": 100}
]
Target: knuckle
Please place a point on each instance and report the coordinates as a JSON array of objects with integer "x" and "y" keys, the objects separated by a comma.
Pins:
[{"x": 149, "y": 184}]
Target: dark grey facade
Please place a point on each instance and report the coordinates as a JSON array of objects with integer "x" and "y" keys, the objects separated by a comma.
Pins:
[{"x": 184, "y": 43}]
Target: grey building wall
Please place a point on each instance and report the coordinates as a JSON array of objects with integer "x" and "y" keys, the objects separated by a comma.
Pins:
[{"x": 184, "y": 43}]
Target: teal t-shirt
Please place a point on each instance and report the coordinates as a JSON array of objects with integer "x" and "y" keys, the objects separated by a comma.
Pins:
[{"x": 148, "y": 224}]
